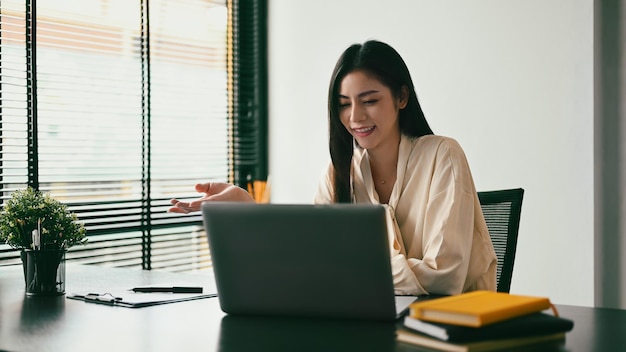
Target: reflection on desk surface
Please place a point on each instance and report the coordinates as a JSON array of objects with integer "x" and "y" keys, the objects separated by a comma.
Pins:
[{"x": 248, "y": 333}]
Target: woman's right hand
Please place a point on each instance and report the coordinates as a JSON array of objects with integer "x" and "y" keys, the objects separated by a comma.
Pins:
[{"x": 213, "y": 191}]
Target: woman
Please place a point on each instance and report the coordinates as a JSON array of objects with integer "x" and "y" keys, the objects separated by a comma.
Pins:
[{"x": 384, "y": 152}]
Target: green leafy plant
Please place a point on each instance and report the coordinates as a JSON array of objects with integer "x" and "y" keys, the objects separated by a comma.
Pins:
[{"x": 29, "y": 209}]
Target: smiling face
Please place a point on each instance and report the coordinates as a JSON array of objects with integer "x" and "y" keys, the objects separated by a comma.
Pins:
[{"x": 369, "y": 111}]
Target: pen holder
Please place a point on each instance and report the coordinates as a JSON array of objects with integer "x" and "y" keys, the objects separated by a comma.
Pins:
[{"x": 44, "y": 272}]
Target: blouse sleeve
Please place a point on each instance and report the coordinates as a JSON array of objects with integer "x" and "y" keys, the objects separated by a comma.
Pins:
[
  {"x": 324, "y": 193},
  {"x": 446, "y": 226}
]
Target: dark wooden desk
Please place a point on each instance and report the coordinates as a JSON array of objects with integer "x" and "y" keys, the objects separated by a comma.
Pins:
[{"x": 61, "y": 324}]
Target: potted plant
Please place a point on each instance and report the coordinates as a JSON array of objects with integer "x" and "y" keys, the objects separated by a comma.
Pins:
[{"x": 44, "y": 229}]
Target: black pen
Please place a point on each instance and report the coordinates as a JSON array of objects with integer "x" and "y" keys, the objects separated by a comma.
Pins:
[{"x": 175, "y": 289}]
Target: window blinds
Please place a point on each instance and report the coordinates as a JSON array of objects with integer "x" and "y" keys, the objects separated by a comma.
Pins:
[
  {"x": 131, "y": 110},
  {"x": 249, "y": 67}
]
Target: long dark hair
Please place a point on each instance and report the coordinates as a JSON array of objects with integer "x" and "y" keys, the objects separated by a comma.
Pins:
[{"x": 385, "y": 64}]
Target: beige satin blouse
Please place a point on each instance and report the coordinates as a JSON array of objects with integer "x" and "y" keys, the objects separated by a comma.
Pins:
[{"x": 438, "y": 237}]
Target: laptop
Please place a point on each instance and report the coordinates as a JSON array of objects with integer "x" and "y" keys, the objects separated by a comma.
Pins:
[{"x": 302, "y": 260}]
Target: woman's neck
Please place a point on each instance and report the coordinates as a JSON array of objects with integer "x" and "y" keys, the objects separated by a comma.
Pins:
[
  {"x": 383, "y": 163},
  {"x": 385, "y": 154}
]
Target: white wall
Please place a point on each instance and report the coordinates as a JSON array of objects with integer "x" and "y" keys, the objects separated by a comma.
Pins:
[{"x": 511, "y": 80}]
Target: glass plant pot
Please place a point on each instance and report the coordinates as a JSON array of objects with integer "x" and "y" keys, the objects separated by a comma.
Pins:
[{"x": 44, "y": 272}]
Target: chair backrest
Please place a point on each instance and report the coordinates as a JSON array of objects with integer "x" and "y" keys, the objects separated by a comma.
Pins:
[{"x": 502, "y": 210}]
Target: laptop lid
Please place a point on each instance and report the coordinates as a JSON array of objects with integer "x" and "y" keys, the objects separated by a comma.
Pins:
[{"x": 302, "y": 260}]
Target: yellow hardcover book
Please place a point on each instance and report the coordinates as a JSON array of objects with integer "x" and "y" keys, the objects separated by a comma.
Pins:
[{"x": 477, "y": 308}]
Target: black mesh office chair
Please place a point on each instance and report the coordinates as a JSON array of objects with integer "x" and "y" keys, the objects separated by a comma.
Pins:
[{"x": 502, "y": 209}]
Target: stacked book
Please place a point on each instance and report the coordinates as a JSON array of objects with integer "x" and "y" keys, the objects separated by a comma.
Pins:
[{"x": 484, "y": 321}]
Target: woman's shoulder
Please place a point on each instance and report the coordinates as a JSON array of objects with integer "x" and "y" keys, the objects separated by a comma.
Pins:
[
  {"x": 443, "y": 153},
  {"x": 435, "y": 143}
]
